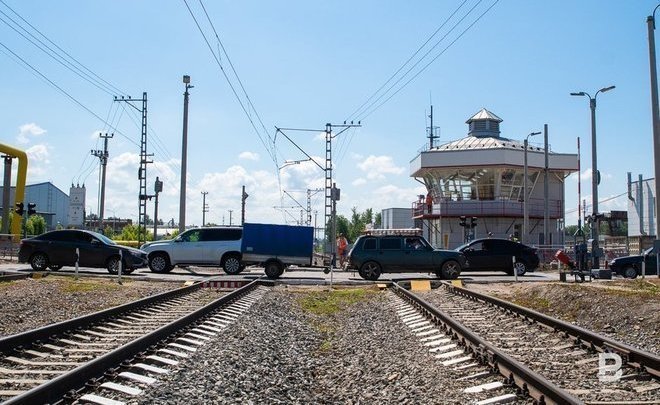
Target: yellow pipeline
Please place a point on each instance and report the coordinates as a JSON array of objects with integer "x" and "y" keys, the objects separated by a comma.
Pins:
[{"x": 17, "y": 220}]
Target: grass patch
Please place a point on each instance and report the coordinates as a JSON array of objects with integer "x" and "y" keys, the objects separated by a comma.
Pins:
[
  {"x": 532, "y": 301},
  {"x": 326, "y": 303}
]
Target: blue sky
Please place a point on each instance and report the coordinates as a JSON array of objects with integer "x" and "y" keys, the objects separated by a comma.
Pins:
[{"x": 305, "y": 64}]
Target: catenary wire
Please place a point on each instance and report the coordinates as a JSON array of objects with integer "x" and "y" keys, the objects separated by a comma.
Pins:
[
  {"x": 69, "y": 61},
  {"x": 233, "y": 89},
  {"x": 61, "y": 90},
  {"x": 366, "y": 114},
  {"x": 354, "y": 113}
]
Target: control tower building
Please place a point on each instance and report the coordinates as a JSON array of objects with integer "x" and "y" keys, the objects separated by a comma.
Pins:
[{"x": 481, "y": 177}]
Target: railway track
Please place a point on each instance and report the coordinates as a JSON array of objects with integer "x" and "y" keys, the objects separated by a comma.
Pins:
[
  {"x": 55, "y": 362},
  {"x": 548, "y": 359}
]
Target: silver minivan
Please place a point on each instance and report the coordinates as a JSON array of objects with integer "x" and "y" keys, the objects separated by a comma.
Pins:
[{"x": 208, "y": 246}]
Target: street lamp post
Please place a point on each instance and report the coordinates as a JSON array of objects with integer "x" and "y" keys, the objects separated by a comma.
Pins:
[
  {"x": 184, "y": 157},
  {"x": 595, "y": 176},
  {"x": 525, "y": 192}
]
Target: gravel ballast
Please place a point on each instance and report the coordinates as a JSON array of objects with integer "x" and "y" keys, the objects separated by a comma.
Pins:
[
  {"x": 279, "y": 353},
  {"x": 31, "y": 303}
]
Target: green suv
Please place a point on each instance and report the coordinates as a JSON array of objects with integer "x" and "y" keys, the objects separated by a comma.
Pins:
[{"x": 402, "y": 252}]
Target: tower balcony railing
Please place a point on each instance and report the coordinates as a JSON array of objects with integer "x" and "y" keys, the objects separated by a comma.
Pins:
[{"x": 488, "y": 208}]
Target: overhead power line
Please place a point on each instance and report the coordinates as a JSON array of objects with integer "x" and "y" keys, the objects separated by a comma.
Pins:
[
  {"x": 216, "y": 57},
  {"x": 372, "y": 106},
  {"x": 353, "y": 114},
  {"x": 58, "y": 54},
  {"x": 60, "y": 89}
]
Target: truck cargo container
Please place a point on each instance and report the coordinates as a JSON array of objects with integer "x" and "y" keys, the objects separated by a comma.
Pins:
[{"x": 276, "y": 247}]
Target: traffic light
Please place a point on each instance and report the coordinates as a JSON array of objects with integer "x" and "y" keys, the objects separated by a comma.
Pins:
[
  {"x": 473, "y": 222},
  {"x": 32, "y": 209},
  {"x": 19, "y": 208},
  {"x": 462, "y": 221}
]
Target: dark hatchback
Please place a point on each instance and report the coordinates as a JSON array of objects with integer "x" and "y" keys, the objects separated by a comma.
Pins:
[
  {"x": 56, "y": 249},
  {"x": 375, "y": 254},
  {"x": 497, "y": 255},
  {"x": 631, "y": 266}
]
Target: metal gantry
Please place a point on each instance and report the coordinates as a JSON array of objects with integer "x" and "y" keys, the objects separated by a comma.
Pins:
[{"x": 142, "y": 171}]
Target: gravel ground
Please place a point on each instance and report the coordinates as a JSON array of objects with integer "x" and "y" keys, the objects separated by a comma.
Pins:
[
  {"x": 624, "y": 310},
  {"x": 30, "y": 303},
  {"x": 280, "y": 353}
]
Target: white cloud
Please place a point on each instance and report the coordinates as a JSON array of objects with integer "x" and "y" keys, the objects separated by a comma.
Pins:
[
  {"x": 28, "y": 130},
  {"x": 249, "y": 156},
  {"x": 38, "y": 157},
  {"x": 375, "y": 167},
  {"x": 359, "y": 182},
  {"x": 586, "y": 176}
]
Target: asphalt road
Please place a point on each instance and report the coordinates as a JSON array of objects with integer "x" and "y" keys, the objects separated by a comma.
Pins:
[{"x": 310, "y": 275}]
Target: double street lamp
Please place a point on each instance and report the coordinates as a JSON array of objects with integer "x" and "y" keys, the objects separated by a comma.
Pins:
[
  {"x": 595, "y": 175},
  {"x": 525, "y": 192}
]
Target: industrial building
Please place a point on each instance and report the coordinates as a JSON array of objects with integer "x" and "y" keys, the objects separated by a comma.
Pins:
[
  {"x": 481, "y": 177},
  {"x": 51, "y": 202}
]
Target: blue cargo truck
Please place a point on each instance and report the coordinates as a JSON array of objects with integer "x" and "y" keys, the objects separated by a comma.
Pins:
[{"x": 275, "y": 247}]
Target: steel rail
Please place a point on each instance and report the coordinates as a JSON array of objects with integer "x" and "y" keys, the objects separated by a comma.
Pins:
[
  {"x": 9, "y": 343},
  {"x": 632, "y": 355},
  {"x": 528, "y": 381},
  {"x": 55, "y": 389}
]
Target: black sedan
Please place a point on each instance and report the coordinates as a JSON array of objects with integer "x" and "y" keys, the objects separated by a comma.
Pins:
[
  {"x": 494, "y": 254},
  {"x": 631, "y": 266},
  {"x": 58, "y": 248}
]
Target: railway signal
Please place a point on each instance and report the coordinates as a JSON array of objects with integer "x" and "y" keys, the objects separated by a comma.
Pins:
[
  {"x": 32, "y": 209},
  {"x": 19, "y": 208}
]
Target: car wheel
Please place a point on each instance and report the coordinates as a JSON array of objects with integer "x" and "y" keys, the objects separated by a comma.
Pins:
[
  {"x": 160, "y": 263},
  {"x": 370, "y": 271},
  {"x": 232, "y": 265},
  {"x": 113, "y": 265},
  {"x": 520, "y": 268},
  {"x": 55, "y": 267},
  {"x": 39, "y": 262},
  {"x": 450, "y": 270},
  {"x": 630, "y": 272},
  {"x": 273, "y": 269}
]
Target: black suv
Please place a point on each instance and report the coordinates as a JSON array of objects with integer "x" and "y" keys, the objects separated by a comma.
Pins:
[
  {"x": 497, "y": 255},
  {"x": 373, "y": 254}
]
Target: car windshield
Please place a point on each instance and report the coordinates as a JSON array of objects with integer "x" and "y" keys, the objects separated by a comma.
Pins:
[
  {"x": 104, "y": 238},
  {"x": 463, "y": 246}
]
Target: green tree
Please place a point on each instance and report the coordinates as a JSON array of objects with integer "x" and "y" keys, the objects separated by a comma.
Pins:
[
  {"x": 356, "y": 225},
  {"x": 132, "y": 232},
  {"x": 35, "y": 225},
  {"x": 109, "y": 232}
]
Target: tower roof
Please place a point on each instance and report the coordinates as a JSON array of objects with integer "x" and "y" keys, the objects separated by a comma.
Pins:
[{"x": 484, "y": 115}]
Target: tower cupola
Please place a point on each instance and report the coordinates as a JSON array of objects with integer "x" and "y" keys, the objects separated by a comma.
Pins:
[{"x": 484, "y": 124}]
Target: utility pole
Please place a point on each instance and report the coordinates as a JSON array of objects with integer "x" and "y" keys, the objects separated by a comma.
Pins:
[
  {"x": 310, "y": 193},
  {"x": 103, "y": 157},
  {"x": 142, "y": 171},
  {"x": 655, "y": 112},
  {"x": 546, "y": 196},
  {"x": 158, "y": 187},
  {"x": 205, "y": 208},
  {"x": 184, "y": 157},
  {"x": 244, "y": 197},
  {"x": 230, "y": 211}
]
